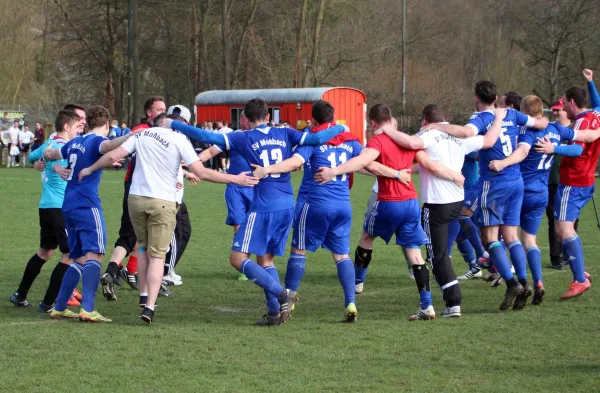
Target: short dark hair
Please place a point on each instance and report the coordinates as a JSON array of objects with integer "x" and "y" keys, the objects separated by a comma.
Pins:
[
  {"x": 72, "y": 107},
  {"x": 256, "y": 110},
  {"x": 380, "y": 113},
  {"x": 433, "y": 114},
  {"x": 486, "y": 92},
  {"x": 26, "y": 124},
  {"x": 322, "y": 112},
  {"x": 65, "y": 117},
  {"x": 150, "y": 101},
  {"x": 97, "y": 116},
  {"x": 513, "y": 98},
  {"x": 577, "y": 94},
  {"x": 158, "y": 118}
]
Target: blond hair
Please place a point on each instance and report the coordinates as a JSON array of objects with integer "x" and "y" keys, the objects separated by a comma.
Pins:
[{"x": 532, "y": 105}]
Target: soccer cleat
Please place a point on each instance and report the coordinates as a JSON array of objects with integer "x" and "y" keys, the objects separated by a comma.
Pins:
[
  {"x": 164, "y": 291},
  {"x": 511, "y": 294},
  {"x": 350, "y": 313},
  {"x": 65, "y": 314},
  {"x": 576, "y": 289},
  {"x": 93, "y": 316},
  {"x": 588, "y": 276},
  {"x": 423, "y": 315},
  {"x": 538, "y": 294},
  {"x": 143, "y": 300},
  {"x": 171, "y": 281},
  {"x": 77, "y": 295},
  {"x": 358, "y": 288},
  {"x": 118, "y": 278},
  {"x": 286, "y": 302},
  {"x": 108, "y": 287},
  {"x": 521, "y": 300},
  {"x": 45, "y": 308},
  {"x": 473, "y": 272},
  {"x": 72, "y": 302},
  {"x": 130, "y": 279},
  {"x": 19, "y": 300},
  {"x": 147, "y": 315},
  {"x": 495, "y": 280},
  {"x": 269, "y": 320},
  {"x": 242, "y": 277},
  {"x": 451, "y": 312}
]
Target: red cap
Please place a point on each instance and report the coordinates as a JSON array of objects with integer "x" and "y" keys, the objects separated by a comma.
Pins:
[{"x": 558, "y": 105}]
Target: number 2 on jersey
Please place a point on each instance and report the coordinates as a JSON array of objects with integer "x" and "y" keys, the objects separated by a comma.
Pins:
[
  {"x": 276, "y": 156},
  {"x": 72, "y": 162},
  {"x": 332, "y": 160}
]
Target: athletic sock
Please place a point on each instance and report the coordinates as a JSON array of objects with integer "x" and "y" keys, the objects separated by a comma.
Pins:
[
  {"x": 472, "y": 234},
  {"x": 32, "y": 270},
  {"x": 453, "y": 231},
  {"x": 89, "y": 284},
  {"x": 55, "y": 281},
  {"x": 499, "y": 260},
  {"x": 68, "y": 285},
  {"x": 422, "y": 280},
  {"x": 534, "y": 259},
  {"x": 295, "y": 271},
  {"x": 345, "y": 271},
  {"x": 260, "y": 277},
  {"x": 272, "y": 301},
  {"x": 574, "y": 250},
  {"x": 518, "y": 258},
  {"x": 112, "y": 268},
  {"x": 132, "y": 264},
  {"x": 466, "y": 250},
  {"x": 362, "y": 259}
]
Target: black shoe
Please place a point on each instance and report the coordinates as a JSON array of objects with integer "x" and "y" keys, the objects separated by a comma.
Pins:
[
  {"x": 45, "y": 308},
  {"x": 19, "y": 300},
  {"x": 130, "y": 279},
  {"x": 108, "y": 287},
  {"x": 286, "y": 303},
  {"x": 511, "y": 294},
  {"x": 147, "y": 315},
  {"x": 118, "y": 277},
  {"x": 269, "y": 320},
  {"x": 164, "y": 291},
  {"x": 143, "y": 300},
  {"x": 521, "y": 300}
]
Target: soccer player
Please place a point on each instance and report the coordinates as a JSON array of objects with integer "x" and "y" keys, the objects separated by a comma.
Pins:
[
  {"x": 397, "y": 210},
  {"x": 265, "y": 229},
  {"x": 83, "y": 215},
  {"x": 535, "y": 169},
  {"x": 52, "y": 223},
  {"x": 501, "y": 192}
]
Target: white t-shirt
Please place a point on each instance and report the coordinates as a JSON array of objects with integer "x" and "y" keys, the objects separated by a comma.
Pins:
[
  {"x": 179, "y": 191},
  {"x": 26, "y": 136},
  {"x": 4, "y": 136},
  {"x": 225, "y": 130},
  {"x": 450, "y": 152},
  {"x": 159, "y": 152},
  {"x": 13, "y": 135},
  {"x": 376, "y": 187}
]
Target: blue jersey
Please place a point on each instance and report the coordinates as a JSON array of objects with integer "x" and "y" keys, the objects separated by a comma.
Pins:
[
  {"x": 53, "y": 186},
  {"x": 82, "y": 152},
  {"x": 237, "y": 164},
  {"x": 535, "y": 168},
  {"x": 307, "y": 179},
  {"x": 504, "y": 146},
  {"x": 337, "y": 190},
  {"x": 470, "y": 170},
  {"x": 266, "y": 146}
]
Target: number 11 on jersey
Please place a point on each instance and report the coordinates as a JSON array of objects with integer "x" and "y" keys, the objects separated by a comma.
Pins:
[{"x": 334, "y": 163}]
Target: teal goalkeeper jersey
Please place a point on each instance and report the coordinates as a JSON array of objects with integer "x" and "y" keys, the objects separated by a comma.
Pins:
[{"x": 53, "y": 186}]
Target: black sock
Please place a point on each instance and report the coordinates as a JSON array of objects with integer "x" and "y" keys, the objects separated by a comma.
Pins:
[
  {"x": 32, "y": 270},
  {"x": 362, "y": 257},
  {"x": 523, "y": 281},
  {"x": 166, "y": 270},
  {"x": 112, "y": 268},
  {"x": 511, "y": 283},
  {"x": 421, "y": 274},
  {"x": 55, "y": 280}
]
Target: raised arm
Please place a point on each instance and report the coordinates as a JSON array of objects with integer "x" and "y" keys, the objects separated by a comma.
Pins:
[
  {"x": 587, "y": 136},
  {"x": 207, "y": 154},
  {"x": 491, "y": 136},
  {"x": 544, "y": 146},
  {"x": 366, "y": 156},
  {"x": 452, "y": 129},
  {"x": 439, "y": 170},
  {"x": 594, "y": 97},
  {"x": 319, "y": 138},
  {"x": 108, "y": 146},
  {"x": 406, "y": 141},
  {"x": 516, "y": 157},
  {"x": 195, "y": 133},
  {"x": 105, "y": 161},
  {"x": 283, "y": 167}
]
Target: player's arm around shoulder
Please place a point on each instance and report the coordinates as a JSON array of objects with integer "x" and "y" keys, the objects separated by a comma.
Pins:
[
  {"x": 439, "y": 170},
  {"x": 110, "y": 145}
]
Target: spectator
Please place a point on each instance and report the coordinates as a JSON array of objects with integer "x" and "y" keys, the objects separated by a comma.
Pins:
[
  {"x": 308, "y": 126},
  {"x": 25, "y": 139},
  {"x": 124, "y": 129},
  {"x": 4, "y": 146},
  {"x": 39, "y": 135},
  {"x": 115, "y": 131},
  {"x": 13, "y": 144},
  {"x": 224, "y": 155}
]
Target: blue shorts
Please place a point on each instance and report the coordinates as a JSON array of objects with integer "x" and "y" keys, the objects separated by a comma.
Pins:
[
  {"x": 533, "y": 209},
  {"x": 300, "y": 201},
  {"x": 326, "y": 227},
  {"x": 472, "y": 197},
  {"x": 400, "y": 218},
  {"x": 570, "y": 200},
  {"x": 238, "y": 200},
  {"x": 500, "y": 203},
  {"x": 86, "y": 231},
  {"x": 264, "y": 233}
]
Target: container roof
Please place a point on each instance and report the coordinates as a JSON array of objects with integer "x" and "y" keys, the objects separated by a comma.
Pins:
[{"x": 270, "y": 96}]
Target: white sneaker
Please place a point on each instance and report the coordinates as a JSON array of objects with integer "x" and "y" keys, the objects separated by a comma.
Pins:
[
  {"x": 471, "y": 273},
  {"x": 451, "y": 312},
  {"x": 174, "y": 275},
  {"x": 423, "y": 315},
  {"x": 170, "y": 281},
  {"x": 358, "y": 288}
]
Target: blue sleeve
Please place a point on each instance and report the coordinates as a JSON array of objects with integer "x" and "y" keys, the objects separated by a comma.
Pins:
[
  {"x": 594, "y": 97},
  {"x": 477, "y": 121},
  {"x": 305, "y": 152},
  {"x": 37, "y": 153},
  {"x": 65, "y": 149},
  {"x": 96, "y": 146},
  {"x": 236, "y": 141},
  {"x": 573, "y": 150},
  {"x": 357, "y": 148},
  {"x": 522, "y": 118},
  {"x": 566, "y": 133},
  {"x": 321, "y": 137},
  {"x": 526, "y": 137},
  {"x": 198, "y": 134},
  {"x": 472, "y": 156}
]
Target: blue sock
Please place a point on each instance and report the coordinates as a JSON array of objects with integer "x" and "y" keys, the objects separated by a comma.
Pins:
[
  {"x": 425, "y": 300},
  {"x": 89, "y": 284},
  {"x": 518, "y": 258},
  {"x": 467, "y": 250},
  {"x": 453, "y": 231},
  {"x": 472, "y": 234},
  {"x": 68, "y": 285},
  {"x": 345, "y": 270},
  {"x": 260, "y": 277},
  {"x": 295, "y": 271},
  {"x": 534, "y": 259},
  {"x": 272, "y": 301},
  {"x": 574, "y": 250},
  {"x": 499, "y": 259}
]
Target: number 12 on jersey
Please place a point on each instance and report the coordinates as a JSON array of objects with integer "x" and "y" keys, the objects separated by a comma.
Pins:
[{"x": 334, "y": 163}]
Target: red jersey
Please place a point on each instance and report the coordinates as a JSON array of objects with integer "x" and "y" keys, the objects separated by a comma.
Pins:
[
  {"x": 579, "y": 171},
  {"x": 395, "y": 157},
  {"x": 131, "y": 165}
]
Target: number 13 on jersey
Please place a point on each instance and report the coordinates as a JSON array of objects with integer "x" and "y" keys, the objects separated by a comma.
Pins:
[{"x": 276, "y": 158}]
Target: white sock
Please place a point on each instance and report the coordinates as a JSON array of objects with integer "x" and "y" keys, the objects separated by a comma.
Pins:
[
  {"x": 150, "y": 307},
  {"x": 144, "y": 294}
]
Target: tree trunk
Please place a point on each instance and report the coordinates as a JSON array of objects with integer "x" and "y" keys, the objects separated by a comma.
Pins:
[
  {"x": 225, "y": 44},
  {"x": 315, "y": 49},
  {"x": 110, "y": 74},
  {"x": 299, "y": 37},
  {"x": 242, "y": 43},
  {"x": 135, "y": 61},
  {"x": 196, "y": 46}
]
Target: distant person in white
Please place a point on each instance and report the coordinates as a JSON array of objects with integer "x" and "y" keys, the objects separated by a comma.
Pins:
[
  {"x": 153, "y": 201},
  {"x": 224, "y": 155},
  {"x": 443, "y": 199},
  {"x": 25, "y": 139},
  {"x": 13, "y": 144}
]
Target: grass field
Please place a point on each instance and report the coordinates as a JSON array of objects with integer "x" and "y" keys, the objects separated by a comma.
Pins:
[{"x": 203, "y": 339}]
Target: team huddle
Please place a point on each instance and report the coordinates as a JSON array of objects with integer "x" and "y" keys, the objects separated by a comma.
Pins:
[{"x": 479, "y": 209}]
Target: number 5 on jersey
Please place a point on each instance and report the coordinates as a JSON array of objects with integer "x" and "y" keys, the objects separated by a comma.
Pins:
[{"x": 276, "y": 158}]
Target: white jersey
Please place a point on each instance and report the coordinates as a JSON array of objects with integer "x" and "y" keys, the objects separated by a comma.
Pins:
[
  {"x": 450, "y": 152},
  {"x": 159, "y": 152},
  {"x": 13, "y": 135},
  {"x": 26, "y": 136},
  {"x": 225, "y": 130}
]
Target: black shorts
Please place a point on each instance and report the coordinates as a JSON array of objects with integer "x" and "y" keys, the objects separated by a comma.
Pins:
[
  {"x": 225, "y": 154},
  {"x": 25, "y": 148},
  {"x": 52, "y": 230},
  {"x": 127, "y": 238}
]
